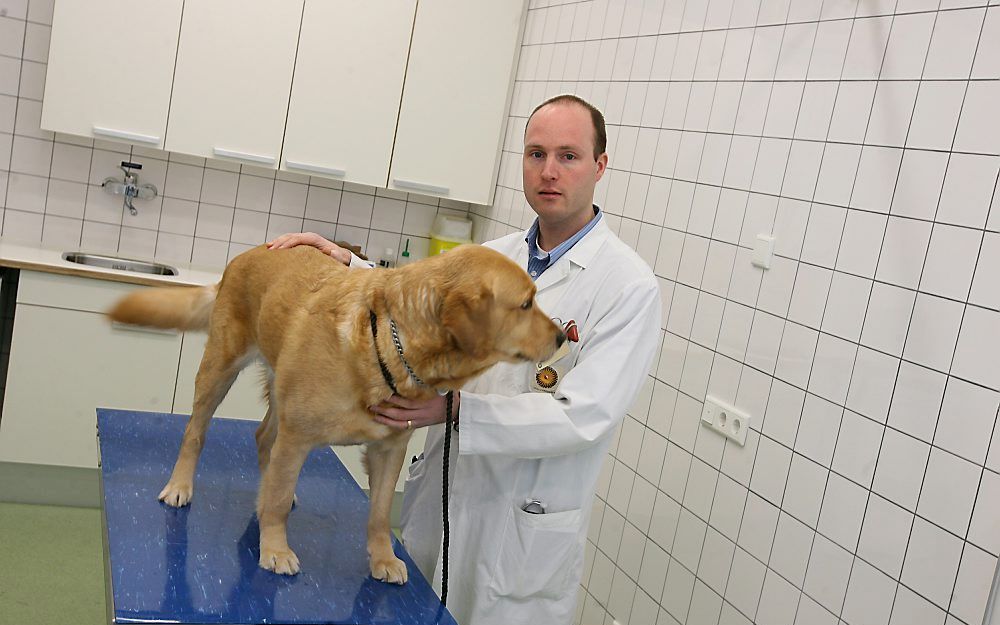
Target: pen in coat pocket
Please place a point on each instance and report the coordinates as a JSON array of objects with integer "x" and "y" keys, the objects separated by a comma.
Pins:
[{"x": 533, "y": 506}]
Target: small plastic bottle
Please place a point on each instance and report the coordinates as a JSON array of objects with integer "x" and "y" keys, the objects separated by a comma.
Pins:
[{"x": 388, "y": 259}]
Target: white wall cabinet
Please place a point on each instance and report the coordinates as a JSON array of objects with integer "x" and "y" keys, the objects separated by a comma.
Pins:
[
  {"x": 114, "y": 81},
  {"x": 458, "y": 83},
  {"x": 388, "y": 93},
  {"x": 345, "y": 94},
  {"x": 233, "y": 78}
]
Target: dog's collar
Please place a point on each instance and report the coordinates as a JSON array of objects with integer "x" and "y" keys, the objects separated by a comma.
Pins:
[
  {"x": 378, "y": 354},
  {"x": 399, "y": 350}
]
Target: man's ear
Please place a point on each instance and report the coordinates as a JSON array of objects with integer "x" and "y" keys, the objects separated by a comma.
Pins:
[
  {"x": 465, "y": 316},
  {"x": 602, "y": 165}
]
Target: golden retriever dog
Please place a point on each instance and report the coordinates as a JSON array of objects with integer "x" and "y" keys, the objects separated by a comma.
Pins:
[{"x": 325, "y": 333}]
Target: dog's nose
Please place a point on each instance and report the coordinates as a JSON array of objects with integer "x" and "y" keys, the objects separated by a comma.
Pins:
[{"x": 560, "y": 339}]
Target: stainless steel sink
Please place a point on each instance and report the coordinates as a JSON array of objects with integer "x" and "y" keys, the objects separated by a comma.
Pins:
[{"x": 122, "y": 264}]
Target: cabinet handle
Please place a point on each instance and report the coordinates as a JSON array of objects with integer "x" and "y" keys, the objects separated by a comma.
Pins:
[
  {"x": 243, "y": 156},
  {"x": 315, "y": 168},
  {"x": 122, "y": 134},
  {"x": 420, "y": 186},
  {"x": 117, "y": 325}
]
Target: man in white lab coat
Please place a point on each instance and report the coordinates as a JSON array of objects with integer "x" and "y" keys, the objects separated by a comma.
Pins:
[{"x": 530, "y": 443}]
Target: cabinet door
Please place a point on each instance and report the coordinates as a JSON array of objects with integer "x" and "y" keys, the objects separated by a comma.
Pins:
[
  {"x": 111, "y": 64},
  {"x": 64, "y": 364},
  {"x": 233, "y": 78},
  {"x": 245, "y": 398},
  {"x": 345, "y": 95},
  {"x": 458, "y": 83}
]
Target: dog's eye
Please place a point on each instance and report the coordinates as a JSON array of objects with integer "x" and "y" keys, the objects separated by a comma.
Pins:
[{"x": 526, "y": 305}]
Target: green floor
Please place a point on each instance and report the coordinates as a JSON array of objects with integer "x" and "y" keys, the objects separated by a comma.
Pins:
[
  {"x": 52, "y": 569},
  {"x": 51, "y": 565}
]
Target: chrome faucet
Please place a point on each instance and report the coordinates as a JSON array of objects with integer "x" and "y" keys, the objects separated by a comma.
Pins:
[{"x": 130, "y": 188}]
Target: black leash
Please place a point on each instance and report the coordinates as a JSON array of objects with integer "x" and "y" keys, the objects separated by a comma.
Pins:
[
  {"x": 449, "y": 398},
  {"x": 449, "y": 402}
]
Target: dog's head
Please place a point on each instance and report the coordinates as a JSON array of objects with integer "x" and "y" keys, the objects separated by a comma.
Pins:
[{"x": 489, "y": 308}]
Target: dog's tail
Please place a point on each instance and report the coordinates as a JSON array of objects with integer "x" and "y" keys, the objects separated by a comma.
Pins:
[{"x": 181, "y": 308}]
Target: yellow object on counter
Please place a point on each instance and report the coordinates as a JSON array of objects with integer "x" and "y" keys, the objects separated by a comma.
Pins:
[{"x": 448, "y": 232}]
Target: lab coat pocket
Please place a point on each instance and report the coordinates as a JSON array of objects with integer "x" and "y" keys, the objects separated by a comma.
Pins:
[
  {"x": 415, "y": 475},
  {"x": 416, "y": 469},
  {"x": 538, "y": 554}
]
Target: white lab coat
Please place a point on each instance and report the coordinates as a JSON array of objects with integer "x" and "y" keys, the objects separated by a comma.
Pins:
[{"x": 506, "y": 566}]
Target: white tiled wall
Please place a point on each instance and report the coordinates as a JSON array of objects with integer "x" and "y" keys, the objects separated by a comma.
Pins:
[
  {"x": 207, "y": 211},
  {"x": 865, "y": 136}
]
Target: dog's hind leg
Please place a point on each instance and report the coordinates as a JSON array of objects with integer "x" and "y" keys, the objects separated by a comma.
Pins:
[
  {"x": 265, "y": 434},
  {"x": 268, "y": 428},
  {"x": 221, "y": 363},
  {"x": 384, "y": 460},
  {"x": 277, "y": 489}
]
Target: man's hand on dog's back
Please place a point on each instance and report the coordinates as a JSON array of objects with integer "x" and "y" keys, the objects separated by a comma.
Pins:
[{"x": 328, "y": 247}]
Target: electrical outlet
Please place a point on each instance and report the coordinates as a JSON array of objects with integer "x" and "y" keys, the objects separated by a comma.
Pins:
[{"x": 725, "y": 420}]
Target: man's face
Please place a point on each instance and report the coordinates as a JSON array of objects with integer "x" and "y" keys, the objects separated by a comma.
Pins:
[{"x": 559, "y": 168}]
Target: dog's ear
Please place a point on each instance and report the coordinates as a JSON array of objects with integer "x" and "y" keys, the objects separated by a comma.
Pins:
[{"x": 465, "y": 315}]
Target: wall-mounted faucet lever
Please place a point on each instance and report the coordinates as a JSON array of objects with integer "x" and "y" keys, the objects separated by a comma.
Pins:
[{"x": 130, "y": 187}]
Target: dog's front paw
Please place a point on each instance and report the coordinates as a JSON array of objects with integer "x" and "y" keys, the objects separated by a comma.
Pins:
[
  {"x": 392, "y": 570},
  {"x": 283, "y": 561},
  {"x": 176, "y": 495}
]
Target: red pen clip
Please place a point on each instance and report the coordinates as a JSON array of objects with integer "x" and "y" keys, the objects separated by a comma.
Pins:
[{"x": 571, "y": 331}]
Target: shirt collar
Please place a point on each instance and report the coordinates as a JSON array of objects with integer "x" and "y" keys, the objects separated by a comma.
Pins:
[{"x": 535, "y": 252}]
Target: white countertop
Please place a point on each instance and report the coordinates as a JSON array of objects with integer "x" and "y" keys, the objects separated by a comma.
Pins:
[{"x": 47, "y": 259}]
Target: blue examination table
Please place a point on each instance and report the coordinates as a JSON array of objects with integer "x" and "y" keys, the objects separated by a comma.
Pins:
[{"x": 198, "y": 564}]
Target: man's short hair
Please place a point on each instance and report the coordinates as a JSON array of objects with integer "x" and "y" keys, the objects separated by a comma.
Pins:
[{"x": 600, "y": 133}]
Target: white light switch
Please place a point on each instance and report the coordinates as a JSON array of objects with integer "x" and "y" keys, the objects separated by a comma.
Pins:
[{"x": 763, "y": 250}]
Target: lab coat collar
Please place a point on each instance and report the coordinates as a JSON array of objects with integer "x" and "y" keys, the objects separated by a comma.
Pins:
[{"x": 580, "y": 255}]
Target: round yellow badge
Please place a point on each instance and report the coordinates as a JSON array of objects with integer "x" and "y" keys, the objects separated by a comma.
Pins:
[{"x": 547, "y": 377}]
